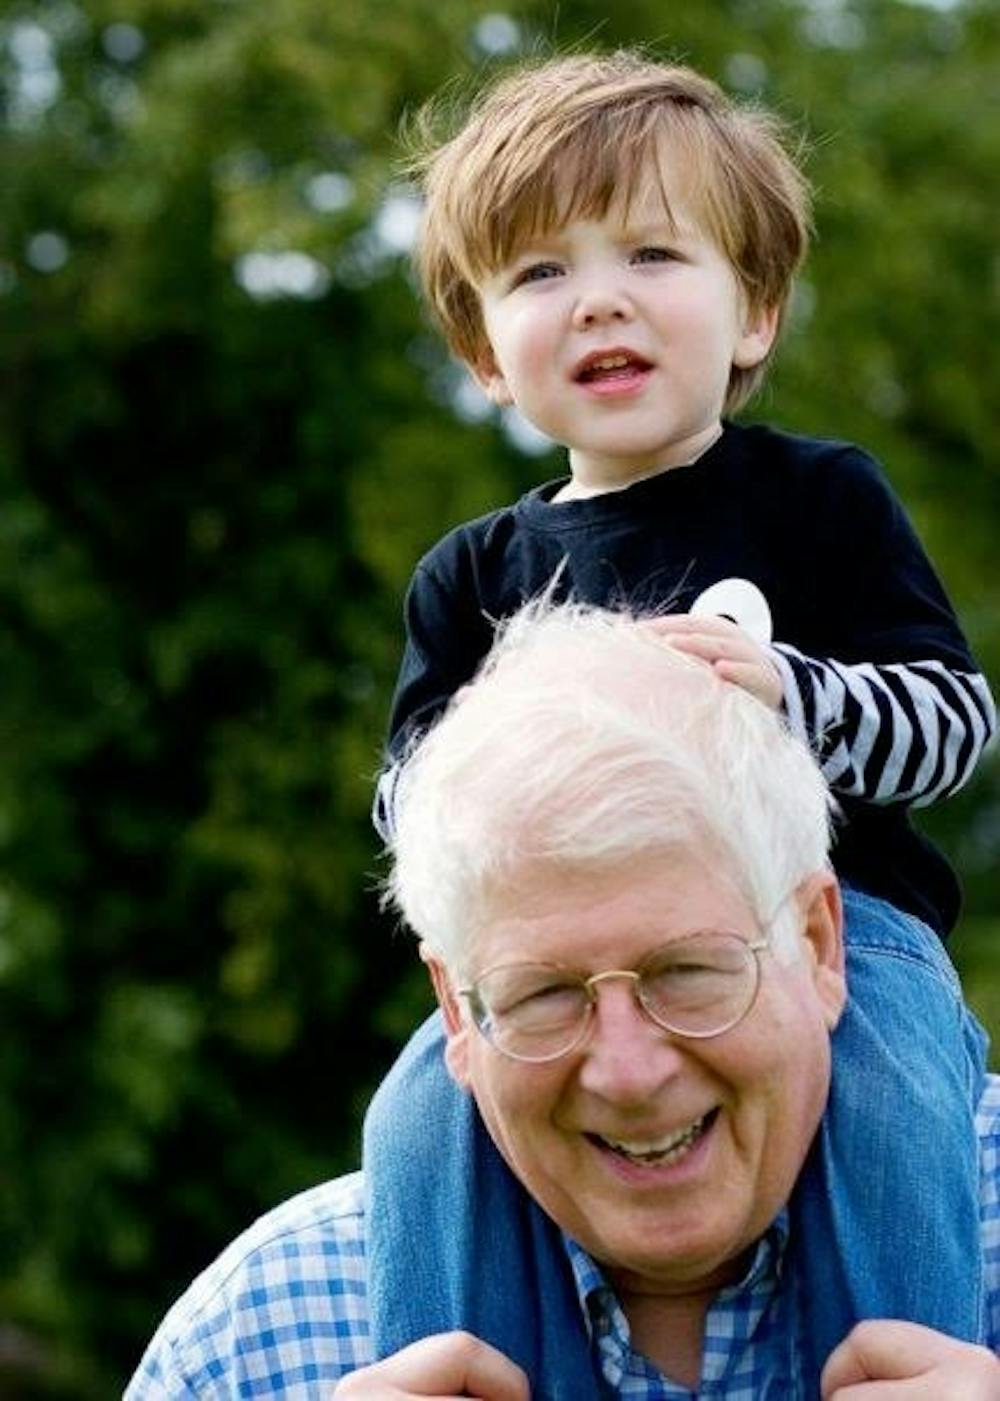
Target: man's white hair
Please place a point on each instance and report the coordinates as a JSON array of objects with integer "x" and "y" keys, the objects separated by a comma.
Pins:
[{"x": 586, "y": 741}]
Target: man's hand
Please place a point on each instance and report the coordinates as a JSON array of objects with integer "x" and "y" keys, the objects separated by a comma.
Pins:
[
  {"x": 731, "y": 653},
  {"x": 885, "y": 1360},
  {"x": 447, "y": 1366}
]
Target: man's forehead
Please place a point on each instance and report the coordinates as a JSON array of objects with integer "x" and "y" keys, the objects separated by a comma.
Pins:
[{"x": 554, "y": 909}]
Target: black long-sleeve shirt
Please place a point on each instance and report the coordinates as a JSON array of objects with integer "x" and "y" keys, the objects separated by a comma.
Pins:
[{"x": 877, "y": 675}]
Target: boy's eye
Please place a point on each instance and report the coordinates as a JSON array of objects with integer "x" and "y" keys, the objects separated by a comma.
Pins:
[
  {"x": 654, "y": 254},
  {"x": 536, "y": 272}
]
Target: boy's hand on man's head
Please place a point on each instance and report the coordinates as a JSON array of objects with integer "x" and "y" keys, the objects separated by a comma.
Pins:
[{"x": 731, "y": 653}]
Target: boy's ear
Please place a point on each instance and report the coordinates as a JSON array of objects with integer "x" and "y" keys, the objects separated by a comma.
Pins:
[
  {"x": 486, "y": 372},
  {"x": 456, "y": 1051},
  {"x": 823, "y": 931},
  {"x": 759, "y": 330}
]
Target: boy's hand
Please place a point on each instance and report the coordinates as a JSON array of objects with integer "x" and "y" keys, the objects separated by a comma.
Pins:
[
  {"x": 447, "y": 1365},
  {"x": 730, "y": 652},
  {"x": 897, "y": 1361}
]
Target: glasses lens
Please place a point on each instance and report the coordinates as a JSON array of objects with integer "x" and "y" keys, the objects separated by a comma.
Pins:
[
  {"x": 530, "y": 1011},
  {"x": 700, "y": 985}
]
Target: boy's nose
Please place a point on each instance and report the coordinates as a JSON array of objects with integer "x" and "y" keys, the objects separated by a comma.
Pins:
[{"x": 599, "y": 305}]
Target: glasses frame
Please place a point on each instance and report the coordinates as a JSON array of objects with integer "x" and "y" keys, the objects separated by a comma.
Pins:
[{"x": 589, "y": 985}]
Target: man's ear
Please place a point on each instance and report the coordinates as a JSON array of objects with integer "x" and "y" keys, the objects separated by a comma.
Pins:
[
  {"x": 823, "y": 930},
  {"x": 456, "y": 1051},
  {"x": 488, "y": 375},
  {"x": 759, "y": 330}
]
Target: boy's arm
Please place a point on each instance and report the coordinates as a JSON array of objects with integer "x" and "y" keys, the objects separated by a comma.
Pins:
[
  {"x": 900, "y": 732},
  {"x": 893, "y": 732},
  {"x": 447, "y": 635},
  {"x": 884, "y": 732},
  {"x": 886, "y": 690},
  {"x": 384, "y": 801}
]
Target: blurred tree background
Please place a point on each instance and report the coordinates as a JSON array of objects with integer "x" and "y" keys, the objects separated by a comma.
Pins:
[{"x": 225, "y": 435}]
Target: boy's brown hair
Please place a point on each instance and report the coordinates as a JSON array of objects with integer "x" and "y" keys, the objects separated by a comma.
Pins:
[{"x": 588, "y": 125}]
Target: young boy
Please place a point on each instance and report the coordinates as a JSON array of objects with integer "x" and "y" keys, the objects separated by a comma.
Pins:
[{"x": 610, "y": 244}]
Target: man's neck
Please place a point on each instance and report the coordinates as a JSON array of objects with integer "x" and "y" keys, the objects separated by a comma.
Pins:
[
  {"x": 670, "y": 1332},
  {"x": 667, "y": 1324}
]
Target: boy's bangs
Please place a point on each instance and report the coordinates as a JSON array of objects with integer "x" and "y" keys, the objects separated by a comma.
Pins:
[{"x": 597, "y": 165}]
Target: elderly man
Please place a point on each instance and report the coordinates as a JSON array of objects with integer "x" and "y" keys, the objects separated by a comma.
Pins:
[{"x": 617, "y": 867}]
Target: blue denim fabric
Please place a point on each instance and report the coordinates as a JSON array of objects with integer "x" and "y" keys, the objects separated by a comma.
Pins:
[
  {"x": 885, "y": 1219},
  {"x": 454, "y": 1241},
  {"x": 886, "y": 1215}
]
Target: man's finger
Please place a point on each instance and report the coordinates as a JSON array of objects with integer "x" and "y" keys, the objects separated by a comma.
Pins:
[
  {"x": 887, "y": 1350},
  {"x": 445, "y": 1366}
]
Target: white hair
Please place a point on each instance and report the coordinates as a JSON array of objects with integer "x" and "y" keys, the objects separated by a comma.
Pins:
[{"x": 586, "y": 741}]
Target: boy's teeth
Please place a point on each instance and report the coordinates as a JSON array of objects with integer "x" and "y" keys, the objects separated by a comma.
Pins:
[{"x": 611, "y": 362}]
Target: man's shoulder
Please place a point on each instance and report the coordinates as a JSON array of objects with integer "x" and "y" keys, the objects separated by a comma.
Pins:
[
  {"x": 284, "y": 1298},
  {"x": 317, "y": 1227},
  {"x": 988, "y": 1124}
]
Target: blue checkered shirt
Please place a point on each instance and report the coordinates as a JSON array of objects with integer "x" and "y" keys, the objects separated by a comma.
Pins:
[{"x": 283, "y": 1312}]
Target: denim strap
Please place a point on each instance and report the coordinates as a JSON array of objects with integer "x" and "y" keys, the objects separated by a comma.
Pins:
[{"x": 454, "y": 1241}]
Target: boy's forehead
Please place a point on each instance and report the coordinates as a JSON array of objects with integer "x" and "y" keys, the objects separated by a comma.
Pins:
[{"x": 657, "y": 187}]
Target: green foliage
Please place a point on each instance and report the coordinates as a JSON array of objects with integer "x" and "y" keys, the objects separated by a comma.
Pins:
[{"x": 225, "y": 436}]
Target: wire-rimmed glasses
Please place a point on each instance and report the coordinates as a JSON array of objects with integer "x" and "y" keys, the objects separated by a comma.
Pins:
[{"x": 698, "y": 986}]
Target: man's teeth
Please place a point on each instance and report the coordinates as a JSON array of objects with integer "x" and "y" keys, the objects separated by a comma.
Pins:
[{"x": 667, "y": 1149}]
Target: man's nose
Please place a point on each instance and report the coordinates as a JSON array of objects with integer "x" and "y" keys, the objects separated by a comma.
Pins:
[
  {"x": 601, "y": 301},
  {"x": 627, "y": 1058}
]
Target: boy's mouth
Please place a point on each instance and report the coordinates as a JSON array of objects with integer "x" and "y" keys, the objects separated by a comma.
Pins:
[{"x": 610, "y": 365}]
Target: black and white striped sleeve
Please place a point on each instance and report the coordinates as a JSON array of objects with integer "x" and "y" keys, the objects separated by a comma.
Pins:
[
  {"x": 889, "y": 732},
  {"x": 384, "y": 803}
]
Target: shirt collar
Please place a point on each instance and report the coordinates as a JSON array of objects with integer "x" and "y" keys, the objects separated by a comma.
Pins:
[{"x": 598, "y": 1300}]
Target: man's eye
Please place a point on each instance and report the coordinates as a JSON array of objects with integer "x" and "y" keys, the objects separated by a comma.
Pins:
[
  {"x": 687, "y": 971},
  {"x": 654, "y": 254},
  {"x": 542, "y": 1003},
  {"x": 542, "y": 994},
  {"x": 536, "y": 272}
]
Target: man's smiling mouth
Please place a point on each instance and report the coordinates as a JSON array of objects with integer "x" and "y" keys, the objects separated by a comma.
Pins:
[{"x": 661, "y": 1151}]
